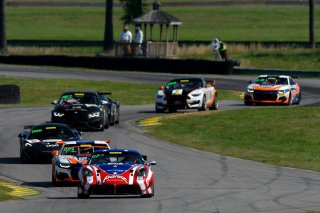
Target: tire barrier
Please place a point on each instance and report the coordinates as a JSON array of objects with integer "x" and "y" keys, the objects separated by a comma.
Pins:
[
  {"x": 9, "y": 94},
  {"x": 178, "y": 66}
]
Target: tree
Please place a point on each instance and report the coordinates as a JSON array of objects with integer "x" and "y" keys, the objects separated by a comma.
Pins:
[
  {"x": 132, "y": 10},
  {"x": 312, "y": 40},
  {"x": 108, "y": 29},
  {"x": 3, "y": 41}
]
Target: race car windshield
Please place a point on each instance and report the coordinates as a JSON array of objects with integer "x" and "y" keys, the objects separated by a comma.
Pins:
[
  {"x": 184, "y": 84},
  {"x": 271, "y": 81},
  {"x": 76, "y": 150},
  {"x": 116, "y": 158},
  {"x": 78, "y": 98},
  {"x": 51, "y": 132}
]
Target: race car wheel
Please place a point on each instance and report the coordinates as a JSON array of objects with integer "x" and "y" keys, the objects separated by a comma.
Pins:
[
  {"x": 289, "y": 101},
  {"x": 204, "y": 104},
  {"x": 106, "y": 123},
  {"x": 159, "y": 110},
  {"x": 112, "y": 121},
  {"x": 117, "y": 121},
  {"x": 148, "y": 195},
  {"x": 54, "y": 177},
  {"x": 23, "y": 156},
  {"x": 80, "y": 193},
  {"x": 215, "y": 104}
]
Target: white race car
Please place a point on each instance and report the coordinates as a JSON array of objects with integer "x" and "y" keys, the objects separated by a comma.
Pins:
[{"x": 187, "y": 93}]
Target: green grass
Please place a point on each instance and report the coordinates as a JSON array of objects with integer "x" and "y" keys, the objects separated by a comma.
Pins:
[
  {"x": 278, "y": 135},
  {"x": 253, "y": 23},
  {"x": 40, "y": 92}
]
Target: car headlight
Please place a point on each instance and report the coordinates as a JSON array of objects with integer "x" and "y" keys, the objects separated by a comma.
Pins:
[
  {"x": 58, "y": 114},
  {"x": 94, "y": 115},
  {"x": 64, "y": 165},
  {"x": 142, "y": 172},
  {"x": 196, "y": 94},
  {"x": 283, "y": 90},
  {"x": 250, "y": 90},
  {"x": 87, "y": 172}
]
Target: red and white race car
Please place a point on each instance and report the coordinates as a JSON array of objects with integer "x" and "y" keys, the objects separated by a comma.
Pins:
[
  {"x": 116, "y": 172},
  {"x": 273, "y": 89},
  {"x": 67, "y": 161}
]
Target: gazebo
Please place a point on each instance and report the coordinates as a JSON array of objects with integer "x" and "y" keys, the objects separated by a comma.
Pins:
[{"x": 163, "y": 47}]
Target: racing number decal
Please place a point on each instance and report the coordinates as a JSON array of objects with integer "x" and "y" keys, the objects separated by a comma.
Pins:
[{"x": 177, "y": 92}]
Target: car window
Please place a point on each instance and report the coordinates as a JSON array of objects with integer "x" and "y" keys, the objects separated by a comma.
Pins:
[
  {"x": 116, "y": 158},
  {"x": 52, "y": 132},
  {"x": 184, "y": 84},
  {"x": 78, "y": 98}
]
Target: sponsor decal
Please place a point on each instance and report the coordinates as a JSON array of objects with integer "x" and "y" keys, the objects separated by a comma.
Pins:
[
  {"x": 79, "y": 94},
  {"x": 177, "y": 92},
  {"x": 115, "y": 177},
  {"x": 184, "y": 81},
  {"x": 66, "y": 96},
  {"x": 85, "y": 145},
  {"x": 115, "y": 153},
  {"x": 51, "y": 127},
  {"x": 36, "y": 131}
]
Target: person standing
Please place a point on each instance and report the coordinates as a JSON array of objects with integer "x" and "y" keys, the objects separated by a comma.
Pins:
[
  {"x": 125, "y": 40},
  {"x": 138, "y": 41},
  {"x": 219, "y": 49}
]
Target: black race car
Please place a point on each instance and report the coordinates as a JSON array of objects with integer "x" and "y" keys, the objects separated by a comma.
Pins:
[
  {"x": 114, "y": 106},
  {"x": 82, "y": 110},
  {"x": 37, "y": 142}
]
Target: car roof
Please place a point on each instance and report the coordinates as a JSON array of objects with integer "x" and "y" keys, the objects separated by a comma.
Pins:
[
  {"x": 84, "y": 142},
  {"x": 48, "y": 125},
  {"x": 118, "y": 150},
  {"x": 188, "y": 78},
  {"x": 274, "y": 76},
  {"x": 85, "y": 92}
]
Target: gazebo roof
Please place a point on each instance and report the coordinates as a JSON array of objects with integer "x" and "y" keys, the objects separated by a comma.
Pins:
[{"x": 156, "y": 16}]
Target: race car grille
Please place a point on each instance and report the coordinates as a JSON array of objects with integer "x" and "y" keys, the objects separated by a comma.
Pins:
[
  {"x": 111, "y": 190},
  {"x": 265, "y": 95},
  {"x": 176, "y": 100},
  {"x": 76, "y": 115}
]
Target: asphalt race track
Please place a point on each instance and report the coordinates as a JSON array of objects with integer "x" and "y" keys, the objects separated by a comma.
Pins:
[{"x": 187, "y": 180}]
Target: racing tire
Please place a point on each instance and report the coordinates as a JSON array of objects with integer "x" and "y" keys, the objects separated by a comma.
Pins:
[
  {"x": 290, "y": 101},
  {"x": 54, "y": 178},
  {"x": 204, "y": 104},
  {"x": 118, "y": 119},
  {"x": 148, "y": 195},
  {"x": 215, "y": 104},
  {"x": 247, "y": 103},
  {"x": 23, "y": 156},
  {"x": 81, "y": 194},
  {"x": 159, "y": 110},
  {"x": 112, "y": 123}
]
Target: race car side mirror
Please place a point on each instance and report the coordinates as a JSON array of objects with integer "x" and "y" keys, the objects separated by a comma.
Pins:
[
  {"x": 251, "y": 82},
  {"x": 21, "y": 135},
  {"x": 55, "y": 152},
  {"x": 144, "y": 157},
  {"x": 153, "y": 163},
  {"x": 54, "y": 102},
  {"x": 161, "y": 87}
]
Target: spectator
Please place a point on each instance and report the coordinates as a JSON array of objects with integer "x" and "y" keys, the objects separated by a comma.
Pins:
[
  {"x": 220, "y": 48},
  {"x": 125, "y": 40},
  {"x": 138, "y": 41}
]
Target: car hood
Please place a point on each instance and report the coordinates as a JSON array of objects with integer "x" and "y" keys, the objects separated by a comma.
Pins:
[
  {"x": 267, "y": 87},
  {"x": 179, "y": 91},
  {"x": 115, "y": 169},
  {"x": 73, "y": 159},
  {"x": 77, "y": 107}
]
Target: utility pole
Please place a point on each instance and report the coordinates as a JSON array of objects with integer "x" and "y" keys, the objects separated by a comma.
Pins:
[
  {"x": 3, "y": 40},
  {"x": 312, "y": 40},
  {"x": 108, "y": 29}
]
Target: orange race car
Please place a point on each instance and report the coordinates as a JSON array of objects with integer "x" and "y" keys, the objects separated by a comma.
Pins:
[
  {"x": 273, "y": 89},
  {"x": 67, "y": 161}
]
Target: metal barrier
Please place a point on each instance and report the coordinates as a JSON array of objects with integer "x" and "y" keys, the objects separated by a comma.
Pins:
[{"x": 9, "y": 94}]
